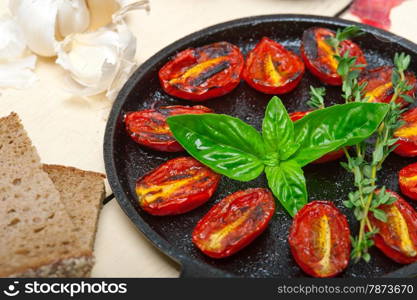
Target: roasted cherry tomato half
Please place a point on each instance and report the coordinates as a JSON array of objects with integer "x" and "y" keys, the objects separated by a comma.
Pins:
[
  {"x": 407, "y": 179},
  {"x": 332, "y": 156},
  {"x": 319, "y": 58},
  {"x": 234, "y": 222},
  {"x": 272, "y": 69},
  {"x": 379, "y": 85},
  {"x": 320, "y": 239},
  {"x": 175, "y": 187},
  {"x": 202, "y": 73},
  {"x": 407, "y": 135},
  {"x": 149, "y": 128},
  {"x": 397, "y": 238}
]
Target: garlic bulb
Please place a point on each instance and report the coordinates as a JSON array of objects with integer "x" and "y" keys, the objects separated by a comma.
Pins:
[
  {"x": 15, "y": 70},
  {"x": 44, "y": 22},
  {"x": 89, "y": 37}
]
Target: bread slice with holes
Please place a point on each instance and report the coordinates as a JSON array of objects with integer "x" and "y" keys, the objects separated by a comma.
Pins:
[
  {"x": 38, "y": 237},
  {"x": 82, "y": 193}
]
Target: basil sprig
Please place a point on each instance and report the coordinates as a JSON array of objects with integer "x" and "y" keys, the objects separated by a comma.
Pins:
[{"x": 235, "y": 149}]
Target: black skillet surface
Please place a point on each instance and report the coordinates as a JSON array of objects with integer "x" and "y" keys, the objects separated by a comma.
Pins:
[{"x": 269, "y": 255}]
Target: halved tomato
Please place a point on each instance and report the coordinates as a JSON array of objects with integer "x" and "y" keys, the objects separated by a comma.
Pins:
[
  {"x": 379, "y": 86},
  {"x": 320, "y": 239},
  {"x": 272, "y": 69},
  {"x": 397, "y": 238},
  {"x": 149, "y": 128},
  {"x": 202, "y": 73},
  {"x": 407, "y": 135},
  {"x": 332, "y": 156},
  {"x": 319, "y": 58},
  {"x": 407, "y": 179},
  {"x": 175, "y": 187},
  {"x": 234, "y": 222}
]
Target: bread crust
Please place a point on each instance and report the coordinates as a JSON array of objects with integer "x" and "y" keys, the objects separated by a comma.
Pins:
[
  {"x": 73, "y": 169},
  {"x": 71, "y": 267}
]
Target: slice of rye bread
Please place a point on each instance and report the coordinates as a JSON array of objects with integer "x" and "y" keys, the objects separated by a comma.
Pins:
[
  {"x": 38, "y": 238},
  {"x": 82, "y": 193}
]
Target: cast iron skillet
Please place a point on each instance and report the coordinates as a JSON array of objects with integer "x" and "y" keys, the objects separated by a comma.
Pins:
[{"x": 269, "y": 255}]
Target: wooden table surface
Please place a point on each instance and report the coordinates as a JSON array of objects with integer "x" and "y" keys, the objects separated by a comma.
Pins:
[{"x": 69, "y": 130}]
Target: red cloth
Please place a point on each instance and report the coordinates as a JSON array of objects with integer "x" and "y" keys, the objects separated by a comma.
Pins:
[{"x": 375, "y": 12}]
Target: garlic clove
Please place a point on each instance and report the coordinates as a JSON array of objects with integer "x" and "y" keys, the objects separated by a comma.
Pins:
[
  {"x": 44, "y": 21},
  {"x": 37, "y": 20},
  {"x": 92, "y": 60},
  {"x": 86, "y": 55},
  {"x": 73, "y": 16},
  {"x": 18, "y": 73}
]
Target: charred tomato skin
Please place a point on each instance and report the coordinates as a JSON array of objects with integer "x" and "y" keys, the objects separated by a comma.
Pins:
[
  {"x": 202, "y": 73},
  {"x": 388, "y": 241},
  {"x": 176, "y": 187},
  {"x": 379, "y": 86},
  {"x": 308, "y": 245},
  {"x": 332, "y": 156},
  {"x": 234, "y": 222},
  {"x": 407, "y": 180},
  {"x": 318, "y": 55},
  {"x": 149, "y": 128},
  {"x": 272, "y": 69},
  {"x": 407, "y": 135}
]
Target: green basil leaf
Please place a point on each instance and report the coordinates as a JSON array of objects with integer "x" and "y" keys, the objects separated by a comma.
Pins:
[
  {"x": 329, "y": 129},
  {"x": 227, "y": 145},
  {"x": 278, "y": 130},
  {"x": 288, "y": 184}
]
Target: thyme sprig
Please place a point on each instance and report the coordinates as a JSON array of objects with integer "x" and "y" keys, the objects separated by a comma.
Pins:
[
  {"x": 364, "y": 169},
  {"x": 346, "y": 33},
  {"x": 317, "y": 97},
  {"x": 349, "y": 70}
]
